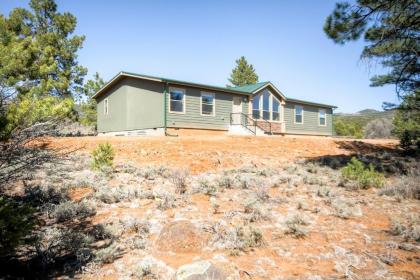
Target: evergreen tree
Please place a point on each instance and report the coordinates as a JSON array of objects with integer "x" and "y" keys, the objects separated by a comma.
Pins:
[
  {"x": 88, "y": 106},
  {"x": 243, "y": 73},
  {"x": 38, "y": 54},
  {"x": 391, "y": 30},
  {"x": 39, "y": 71}
]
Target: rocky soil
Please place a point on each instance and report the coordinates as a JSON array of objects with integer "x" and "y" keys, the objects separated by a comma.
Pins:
[{"x": 228, "y": 208}]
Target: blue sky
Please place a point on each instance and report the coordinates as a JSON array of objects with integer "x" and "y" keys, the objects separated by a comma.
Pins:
[{"x": 200, "y": 40}]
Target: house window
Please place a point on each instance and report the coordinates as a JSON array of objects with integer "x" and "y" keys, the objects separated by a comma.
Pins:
[
  {"x": 177, "y": 100},
  {"x": 322, "y": 117},
  {"x": 266, "y": 105},
  {"x": 276, "y": 110},
  {"x": 256, "y": 107},
  {"x": 298, "y": 114},
  {"x": 106, "y": 106},
  {"x": 207, "y": 104}
]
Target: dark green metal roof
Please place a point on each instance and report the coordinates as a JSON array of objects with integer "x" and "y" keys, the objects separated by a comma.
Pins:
[
  {"x": 310, "y": 103},
  {"x": 250, "y": 88},
  {"x": 247, "y": 89}
]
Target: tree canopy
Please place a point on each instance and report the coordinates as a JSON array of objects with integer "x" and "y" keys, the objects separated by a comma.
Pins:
[
  {"x": 391, "y": 30},
  {"x": 243, "y": 73},
  {"x": 88, "y": 106},
  {"x": 38, "y": 53}
]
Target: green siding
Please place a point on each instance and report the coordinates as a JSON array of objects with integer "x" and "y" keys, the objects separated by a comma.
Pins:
[
  {"x": 144, "y": 104},
  {"x": 115, "y": 120},
  {"x": 192, "y": 117},
  {"x": 132, "y": 104},
  {"x": 310, "y": 120}
]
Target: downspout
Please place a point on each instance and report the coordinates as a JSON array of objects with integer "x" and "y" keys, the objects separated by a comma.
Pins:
[
  {"x": 165, "y": 110},
  {"x": 165, "y": 106}
]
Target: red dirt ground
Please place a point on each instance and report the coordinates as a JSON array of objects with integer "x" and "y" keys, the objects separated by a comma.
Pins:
[{"x": 204, "y": 153}]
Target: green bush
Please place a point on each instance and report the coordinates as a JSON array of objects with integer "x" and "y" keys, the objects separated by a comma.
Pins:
[
  {"x": 15, "y": 223},
  {"x": 364, "y": 177},
  {"x": 103, "y": 157}
]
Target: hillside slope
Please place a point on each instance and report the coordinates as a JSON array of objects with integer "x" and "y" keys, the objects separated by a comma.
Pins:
[{"x": 354, "y": 124}]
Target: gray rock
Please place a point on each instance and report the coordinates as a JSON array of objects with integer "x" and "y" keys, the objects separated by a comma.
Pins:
[{"x": 201, "y": 270}]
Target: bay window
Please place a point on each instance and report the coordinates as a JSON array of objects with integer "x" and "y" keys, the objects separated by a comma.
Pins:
[
  {"x": 275, "y": 110},
  {"x": 266, "y": 106}
]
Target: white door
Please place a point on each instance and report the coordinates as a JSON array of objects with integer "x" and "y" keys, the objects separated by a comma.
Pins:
[{"x": 236, "y": 108}]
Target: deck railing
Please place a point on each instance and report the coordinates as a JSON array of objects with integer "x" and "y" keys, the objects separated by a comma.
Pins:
[{"x": 245, "y": 121}]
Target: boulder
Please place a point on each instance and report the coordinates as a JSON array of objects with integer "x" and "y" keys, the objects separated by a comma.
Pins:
[
  {"x": 181, "y": 237},
  {"x": 201, "y": 270}
]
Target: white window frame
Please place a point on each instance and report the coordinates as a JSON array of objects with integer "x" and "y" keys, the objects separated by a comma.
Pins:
[
  {"x": 106, "y": 106},
  {"x": 271, "y": 111},
  {"x": 201, "y": 103},
  {"x": 184, "y": 100},
  {"x": 294, "y": 116},
  {"x": 319, "y": 117},
  {"x": 270, "y": 106}
]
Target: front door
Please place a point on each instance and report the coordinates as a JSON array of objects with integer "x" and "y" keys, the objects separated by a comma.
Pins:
[{"x": 236, "y": 108}]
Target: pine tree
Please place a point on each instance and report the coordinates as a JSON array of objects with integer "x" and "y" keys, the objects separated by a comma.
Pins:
[
  {"x": 39, "y": 71},
  {"x": 391, "y": 30},
  {"x": 88, "y": 106},
  {"x": 243, "y": 73},
  {"x": 38, "y": 54}
]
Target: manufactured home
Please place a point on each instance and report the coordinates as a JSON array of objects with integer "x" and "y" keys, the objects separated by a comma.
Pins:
[{"x": 134, "y": 104}]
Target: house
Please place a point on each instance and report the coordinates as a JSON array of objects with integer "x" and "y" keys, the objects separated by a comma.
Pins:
[{"x": 133, "y": 104}]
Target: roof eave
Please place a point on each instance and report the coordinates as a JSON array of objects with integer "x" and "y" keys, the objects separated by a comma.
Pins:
[
  {"x": 312, "y": 103},
  {"x": 169, "y": 81},
  {"x": 270, "y": 84}
]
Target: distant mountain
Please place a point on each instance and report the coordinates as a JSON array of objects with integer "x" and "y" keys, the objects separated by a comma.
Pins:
[
  {"x": 354, "y": 124},
  {"x": 368, "y": 111},
  {"x": 364, "y": 116}
]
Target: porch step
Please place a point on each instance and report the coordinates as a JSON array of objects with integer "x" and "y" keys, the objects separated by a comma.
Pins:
[{"x": 237, "y": 129}]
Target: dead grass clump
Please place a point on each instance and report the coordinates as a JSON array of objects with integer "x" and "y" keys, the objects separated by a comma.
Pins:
[
  {"x": 109, "y": 254},
  {"x": 296, "y": 226},
  {"x": 215, "y": 205},
  {"x": 47, "y": 193},
  {"x": 226, "y": 182},
  {"x": 280, "y": 181},
  {"x": 179, "y": 179},
  {"x": 248, "y": 181},
  {"x": 144, "y": 271},
  {"x": 111, "y": 195},
  {"x": 405, "y": 187},
  {"x": 255, "y": 212},
  {"x": 345, "y": 209},
  {"x": 165, "y": 201},
  {"x": 236, "y": 239},
  {"x": 324, "y": 192},
  {"x": 408, "y": 228},
  {"x": 73, "y": 210},
  {"x": 53, "y": 242},
  {"x": 126, "y": 168},
  {"x": 104, "y": 231},
  {"x": 207, "y": 187},
  {"x": 132, "y": 224}
]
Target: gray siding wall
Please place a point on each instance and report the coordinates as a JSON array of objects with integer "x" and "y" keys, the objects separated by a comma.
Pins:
[
  {"x": 132, "y": 104},
  {"x": 310, "y": 120},
  {"x": 115, "y": 120},
  {"x": 144, "y": 104},
  {"x": 192, "y": 117}
]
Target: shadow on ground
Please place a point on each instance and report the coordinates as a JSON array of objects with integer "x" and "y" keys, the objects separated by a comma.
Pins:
[{"x": 386, "y": 159}]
